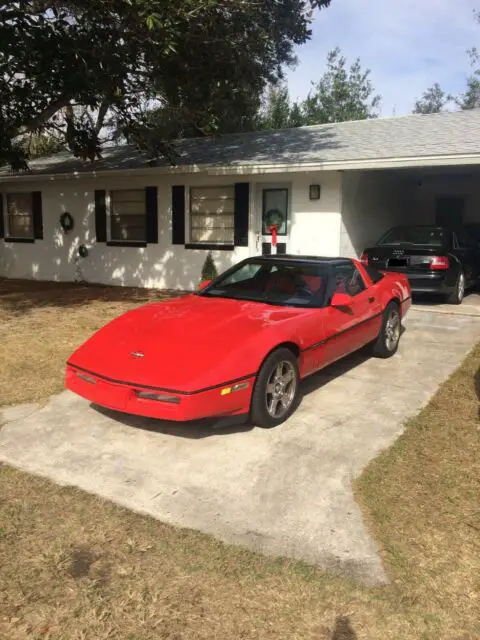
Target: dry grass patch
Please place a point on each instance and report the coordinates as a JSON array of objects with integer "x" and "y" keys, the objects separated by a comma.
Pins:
[
  {"x": 422, "y": 498},
  {"x": 43, "y": 322},
  {"x": 74, "y": 567}
]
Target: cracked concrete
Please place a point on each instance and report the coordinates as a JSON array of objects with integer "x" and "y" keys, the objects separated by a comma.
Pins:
[
  {"x": 17, "y": 412},
  {"x": 285, "y": 491}
]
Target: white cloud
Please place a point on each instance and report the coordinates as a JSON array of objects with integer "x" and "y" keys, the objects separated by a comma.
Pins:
[{"x": 407, "y": 44}]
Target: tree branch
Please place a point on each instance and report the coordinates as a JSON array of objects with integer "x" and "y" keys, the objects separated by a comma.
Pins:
[
  {"x": 38, "y": 121},
  {"x": 102, "y": 112}
]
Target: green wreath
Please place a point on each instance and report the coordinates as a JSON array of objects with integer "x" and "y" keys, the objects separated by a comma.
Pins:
[
  {"x": 67, "y": 222},
  {"x": 274, "y": 216}
]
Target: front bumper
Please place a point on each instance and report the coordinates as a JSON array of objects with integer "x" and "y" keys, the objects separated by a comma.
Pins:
[
  {"x": 184, "y": 407},
  {"x": 426, "y": 282}
]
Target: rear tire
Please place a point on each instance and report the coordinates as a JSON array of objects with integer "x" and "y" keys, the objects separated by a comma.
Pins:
[
  {"x": 386, "y": 345},
  {"x": 458, "y": 293},
  {"x": 276, "y": 389}
]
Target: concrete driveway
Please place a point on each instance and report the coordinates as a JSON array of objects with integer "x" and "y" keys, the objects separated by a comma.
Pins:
[
  {"x": 469, "y": 307},
  {"x": 285, "y": 491}
]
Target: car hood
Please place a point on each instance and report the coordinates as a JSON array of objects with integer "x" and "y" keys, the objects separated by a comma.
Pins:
[{"x": 187, "y": 343}]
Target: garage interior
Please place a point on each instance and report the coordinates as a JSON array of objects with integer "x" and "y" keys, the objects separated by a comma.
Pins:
[{"x": 376, "y": 200}]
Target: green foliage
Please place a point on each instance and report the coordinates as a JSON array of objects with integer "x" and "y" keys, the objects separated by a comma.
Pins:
[
  {"x": 341, "y": 93},
  {"x": 471, "y": 98},
  {"x": 433, "y": 100},
  {"x": 85, "y": 69},
  {"x": 38, "y": 145},
  {"x": 209, "y": 270},
  {"x": 277, "y": 112}
]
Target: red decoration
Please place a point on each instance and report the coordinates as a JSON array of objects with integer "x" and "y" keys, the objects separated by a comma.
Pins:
[{"x": 273, "y": 231}]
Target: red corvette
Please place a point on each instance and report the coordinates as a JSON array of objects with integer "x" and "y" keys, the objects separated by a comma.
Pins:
[{"x": 241, "y": 344}]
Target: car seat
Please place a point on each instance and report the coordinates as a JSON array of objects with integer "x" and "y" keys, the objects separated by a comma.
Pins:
[{"x": 280, "y": 282}]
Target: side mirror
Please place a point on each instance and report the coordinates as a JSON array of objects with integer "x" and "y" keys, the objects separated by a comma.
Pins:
[
  {"x": 341, "y": 300},
  {"x": 203, "y": 285}
]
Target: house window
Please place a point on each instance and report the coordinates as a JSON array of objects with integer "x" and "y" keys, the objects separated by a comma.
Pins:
[
  {"x": 128, "y": 217},
  {"x": 212, "y": 215},
  {"x": 19, "y": 216},
  {"x": 274, "y": 210}
]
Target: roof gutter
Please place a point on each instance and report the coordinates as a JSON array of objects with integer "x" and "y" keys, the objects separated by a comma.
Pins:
[{"x": 254, "y": 169}]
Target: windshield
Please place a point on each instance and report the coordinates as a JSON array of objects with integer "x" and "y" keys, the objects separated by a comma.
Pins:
[
  {"x": 270, "y": 282},
  {"x": 425, "y": 236}
]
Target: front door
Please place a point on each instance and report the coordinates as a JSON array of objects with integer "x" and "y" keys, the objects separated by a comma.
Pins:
[{"x": 274, "y": 211}]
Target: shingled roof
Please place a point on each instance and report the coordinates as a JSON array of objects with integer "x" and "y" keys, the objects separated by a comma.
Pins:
[{"x": 414, "y": 136}]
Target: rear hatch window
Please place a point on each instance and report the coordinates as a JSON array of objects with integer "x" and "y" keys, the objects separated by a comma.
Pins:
[{"x": 414, "y": 236}]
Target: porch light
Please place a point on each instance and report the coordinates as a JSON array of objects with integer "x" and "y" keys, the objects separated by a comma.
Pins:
[{"x": 314, "y": 192}]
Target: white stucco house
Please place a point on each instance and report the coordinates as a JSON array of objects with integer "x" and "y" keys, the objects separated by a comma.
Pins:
[{"x": 332, "y": 190}]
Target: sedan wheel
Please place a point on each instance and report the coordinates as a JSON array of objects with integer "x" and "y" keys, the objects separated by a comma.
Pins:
[
  {"x": 276, "y": 389},
  {"x": 458, "y": 293}
]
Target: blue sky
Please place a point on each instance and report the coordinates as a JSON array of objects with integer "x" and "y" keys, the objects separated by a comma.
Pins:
[{"x": 407, "y": 44}]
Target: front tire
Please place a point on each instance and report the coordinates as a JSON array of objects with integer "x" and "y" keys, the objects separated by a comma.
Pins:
[
  {"x": 276, "y": 389},
  {"x": 458, "y": 293},
  {"x": 386, "y": 345}
]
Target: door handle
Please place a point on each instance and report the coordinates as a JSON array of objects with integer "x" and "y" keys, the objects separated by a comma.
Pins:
[{"x": 372, "y": 299}]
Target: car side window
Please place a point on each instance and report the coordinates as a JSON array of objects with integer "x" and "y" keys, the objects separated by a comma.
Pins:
[
  {"x": 464, "y": 241},
  {"x": 348, "y": 279},
  {"x": 374, "y": 275}
]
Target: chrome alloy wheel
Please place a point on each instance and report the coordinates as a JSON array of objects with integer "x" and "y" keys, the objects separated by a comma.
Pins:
[
  {"x": 392, "y": 330},
  {"x": 281, "y": 389},
  {"x": 461, "y": 287}
]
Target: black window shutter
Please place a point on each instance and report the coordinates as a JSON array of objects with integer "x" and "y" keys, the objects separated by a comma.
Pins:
[
  {"x": 178, "y": 214},
  {"x": 2, "y": 229},
  {"x": 242, "y": 199},
  {"x": 100, "y": 216},
  {"x": 151, "y": 200},
  {"x": 37, "y": 215}
]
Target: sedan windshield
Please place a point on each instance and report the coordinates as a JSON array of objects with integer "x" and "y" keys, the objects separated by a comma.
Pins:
[
  {"x": 424, "y": 236},
  {"x": 270, "y": 282}
]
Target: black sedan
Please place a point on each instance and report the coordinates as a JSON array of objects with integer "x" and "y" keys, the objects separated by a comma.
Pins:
[{"x": 436, "y": 260}]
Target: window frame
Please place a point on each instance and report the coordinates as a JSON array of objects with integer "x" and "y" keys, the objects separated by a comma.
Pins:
[
  {"x": 333, "y": 281},
  {"x": 212, "y": 246},
  {"x": 374, "y": 275},
  {"x": 7, "y": 237},
  {"x": 111, "y": 242}
]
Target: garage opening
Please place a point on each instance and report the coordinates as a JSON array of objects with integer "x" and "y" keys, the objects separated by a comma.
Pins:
[{"x": 375, "y": 201}]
